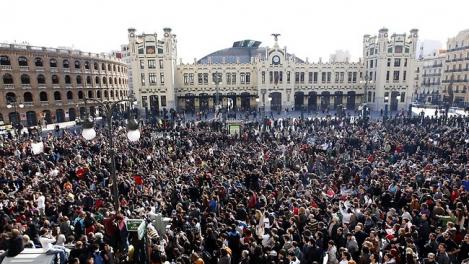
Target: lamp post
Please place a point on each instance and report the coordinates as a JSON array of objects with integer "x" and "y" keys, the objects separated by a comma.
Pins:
[
  {"x": 270, "y": 103},
  {"x": 365, "y": 93},
  {"x": 217, "y": 82},
  {"x": 89, "y": 133},
  {"x": 15, "y": 105},
  {"x": 386, "y": 98}
]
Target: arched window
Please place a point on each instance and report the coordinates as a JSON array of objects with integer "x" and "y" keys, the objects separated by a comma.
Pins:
[
  {"x": 38, "y": 62},
  {"x": 28, "y": 97},
  {"x": 98, "y": 94},
  {"x": 115, "y": 80},
  {"x": 104, "y": 80},
  {"x": 57, "y": 96},
  {"x": 78, "y": 79},
  {"x": 66, "y": 64},
  {"x": 41, "y": 79},
  {"x": 53, "y": 63},
  {"x": 95, "y": 66},
  {"x": 43, "y": 97},
  {"x": 77, "y": 64},
  {"x": 90, "y": 94},
  {"x": 112, "y": 93},
  {"x": 109, "y": 67},
  {"x": 25, "y": 79},
  {"x": 69, "y": 95},
  {"x": 96, "y": 80},
  {"x": 22, "y": 61},
  {"x": 4, "y": 60},
  {"x": 110, "y": 80},
  {"x": 114, "y": 67},
  {"x": 80, "y": 94},
  {"x": 55, "y": 79},
  {"x": 87, "y": 65},
  {"x": 88, "y": 80},
  {"x": 10, "y": 97},
  {"x": 7, "y": 78},
  {"x": 103, "y": 66},
  {"x": 120, "y": 81},
  {"x": 106, "y": 94},
  {"x": 67, "y": 79}
]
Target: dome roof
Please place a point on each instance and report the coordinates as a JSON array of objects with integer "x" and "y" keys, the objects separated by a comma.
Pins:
[{"x": 243, "y": 50}]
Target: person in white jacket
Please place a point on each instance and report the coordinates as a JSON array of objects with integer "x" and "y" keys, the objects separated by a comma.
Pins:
[
  {"x": 346, "y": 213},
  {"x": 47, "y": 241}
]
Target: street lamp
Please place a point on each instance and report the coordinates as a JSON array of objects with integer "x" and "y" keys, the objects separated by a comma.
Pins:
[
  {"x": 89, "y": 133},
  {"x": 365, "y": 90},
  {"x": 257, "y": 103},
  {"x": 217, "y": 81},
  {"x": 15, "y": 105},
  {"x": 270, "y": 103}
]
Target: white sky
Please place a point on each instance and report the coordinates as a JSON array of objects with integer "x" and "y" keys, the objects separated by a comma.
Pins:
[{"x": 309, "y": 28}]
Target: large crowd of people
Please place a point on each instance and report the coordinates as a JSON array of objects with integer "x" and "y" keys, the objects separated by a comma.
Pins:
[{"x": 281, "y": 191}]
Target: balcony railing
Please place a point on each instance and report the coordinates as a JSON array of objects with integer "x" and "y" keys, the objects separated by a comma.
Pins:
[
  {"x": 9, "y": 86},
  {"x": 26, "y": 86},
  {"x": 56, "y": 86},
  {"x": 68, "y": 86},
  {"x": 6, "y": 67},
  {"x": 459, "y": 48},
  {"x": 24, "y": 68},
  {"x": 39, "y": 68},
  {"x": 41, "y": 86},
  {"x": 458, "y": 70},
  {"x": 54, "y": 69},
  {"x": 431, "y": 75},
  {"x": 28, "y": 104},
  {"x": 66, "y": 69},
  {"x": 43, "y": 103},
  {"x": 455, "y": 81}
]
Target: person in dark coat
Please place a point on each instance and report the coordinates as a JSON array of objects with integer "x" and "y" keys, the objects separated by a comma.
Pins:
[{"x": 15, "y": 243}]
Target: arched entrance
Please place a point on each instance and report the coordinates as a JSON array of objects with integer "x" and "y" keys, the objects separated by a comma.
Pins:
[
  {"x": 325, "y": 100},
  {"x": 203, "y": 102},
  {"x": 154, "y": 105},
  {"x": 92, "y": 111},
  {"x": 351, "y": 100},
  {"x": 60, "y": 115},
  {"x": 245, "y": 101},
  {"x": 299, "y": 101},
  {"x": 72, "y": 114},
  {"x": 337, "y": 99},
  {"x": 82, "y": 112},
  {"x": 394, "y": 100},
  {"x": 232, "y": 96},
  {"x": 31, "y": 118},
  {"x": 189, "y": 105},
  {"x": 276, "y": 103},
  {"x": 312, "y": 101},
  {"x": 47, "y": 116},
  {"x": 14, "y": 118},
  {"x": 217, "y": 101}
]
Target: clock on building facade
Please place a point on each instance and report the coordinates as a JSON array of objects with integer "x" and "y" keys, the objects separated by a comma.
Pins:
[{"x": 276, "y": 60}]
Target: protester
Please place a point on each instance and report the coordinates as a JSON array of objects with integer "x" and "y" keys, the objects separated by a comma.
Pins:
[{"x": 283, "y": 191}]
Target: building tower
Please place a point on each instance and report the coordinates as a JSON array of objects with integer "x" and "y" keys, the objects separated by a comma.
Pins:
[
  {"x": 390, "y": 65},
  {"x": 153, "y": 63}
]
